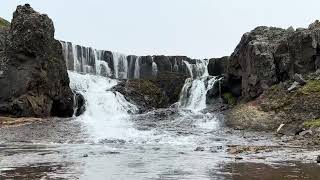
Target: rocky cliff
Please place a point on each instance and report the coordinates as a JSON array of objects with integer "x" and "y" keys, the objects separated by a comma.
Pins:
[
  {"x": 33, "y": 75},
  {"x": 267, "y": 56},
  {"x": 275, "y": 73}
]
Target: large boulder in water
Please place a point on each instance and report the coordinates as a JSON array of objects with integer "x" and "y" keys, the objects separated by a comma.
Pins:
[
  {"x": 159, "y": 92},
  {"x": 33, "y": 75}
]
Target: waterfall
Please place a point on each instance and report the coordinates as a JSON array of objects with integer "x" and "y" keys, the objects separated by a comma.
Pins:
[
  {"x": 120, "y": 64},
  {"x": 154, "y": 68},
  {"x": 194, "y": 91},
  {"x": 107, "y": 112},
  {"x": 137, "y": 68}
]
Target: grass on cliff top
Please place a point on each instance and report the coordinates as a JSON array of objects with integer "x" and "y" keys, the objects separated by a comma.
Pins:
[
  {"x": 312, "y": 123},
  {"x": 312, "y": 87},
  {"x": 4, "y": 23}
]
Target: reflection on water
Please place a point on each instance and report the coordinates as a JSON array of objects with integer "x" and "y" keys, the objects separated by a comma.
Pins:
[{"x": 166, "y": 149}]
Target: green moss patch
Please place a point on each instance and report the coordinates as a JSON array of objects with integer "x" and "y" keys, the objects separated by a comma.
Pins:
[
  {"x": 312, "y": 123},
  {"x": 229, "y": 98},
  {"x": 4, "y": 23},
  {"x": 312, "y": 87}
]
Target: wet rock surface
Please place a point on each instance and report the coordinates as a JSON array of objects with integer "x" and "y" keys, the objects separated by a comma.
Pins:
[
  {"x": 33, "y": 75},
  {"x": 159, "y": 92}
]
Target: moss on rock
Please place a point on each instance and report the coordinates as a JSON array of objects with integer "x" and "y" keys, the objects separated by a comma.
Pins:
[
  {"x": 229, "y": 98},
  {"x": 312, "y": 87},
  {"x": 4, "y": 23},
  {"x": 312, "y": 123}
]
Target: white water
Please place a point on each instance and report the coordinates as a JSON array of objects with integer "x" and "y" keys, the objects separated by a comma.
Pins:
[
  {"x": 137, "y": 68},
  {"x": 154, "y": 68},
  {"x": 194, "y": 91},
  {"x": 120, "y": 65},
  {"x": 107, "y": 112}
]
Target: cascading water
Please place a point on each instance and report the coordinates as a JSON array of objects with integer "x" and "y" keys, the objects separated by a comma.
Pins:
[
  {"x": 107, "y": 112},
  {"x": 136, "y": 74},
  {"x": 154, "y": 68},
  {"x": 87, "y": 60},
  {"x": 194, "y": 91},
  {"x": 120, "y": 65}
]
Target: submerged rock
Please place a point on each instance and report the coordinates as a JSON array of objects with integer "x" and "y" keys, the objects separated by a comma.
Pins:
[
  {"x": 199, "y": 149},
  {"x": 34, "y": 80}
]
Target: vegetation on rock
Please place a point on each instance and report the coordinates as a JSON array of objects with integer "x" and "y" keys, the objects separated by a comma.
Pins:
[
  {"x": 312, "y": 123},
  {"x": 4, "y": 23},
  {"x": 312, "y": 87},
  {"x": 229, "y": 98}
]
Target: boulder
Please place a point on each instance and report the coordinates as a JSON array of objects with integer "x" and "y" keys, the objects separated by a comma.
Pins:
[
  {"x": 79, "y": 104},
  {"x": 298, "y": 78},
  {"x": 34, "y": 80},
  {"x": 147, "y": 94},
  {"x": 268, "y": 55}
]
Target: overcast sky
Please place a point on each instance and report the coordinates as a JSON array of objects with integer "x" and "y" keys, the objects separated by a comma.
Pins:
[{"x": 196, "y": 28}]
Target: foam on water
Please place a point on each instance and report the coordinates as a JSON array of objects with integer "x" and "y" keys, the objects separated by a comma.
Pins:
[
  {"x": 107, "y": 113},
  {"x": 195, "y": 89}
]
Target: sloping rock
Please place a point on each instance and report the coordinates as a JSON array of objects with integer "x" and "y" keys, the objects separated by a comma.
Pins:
[
  {"x": 277, "y": 106},
  {"x": 268, "y": 55},
  {"x": 34, "y": 80}
]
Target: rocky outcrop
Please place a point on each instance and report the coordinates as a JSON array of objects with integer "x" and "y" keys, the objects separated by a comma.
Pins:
[
  {"x": 280, "y": 106},
  {"x": 151, "y": 93},
  {"x": 33, "y": 75},
  {"x": 218, "y": 66},
  {"x": 267, "y": 56}
]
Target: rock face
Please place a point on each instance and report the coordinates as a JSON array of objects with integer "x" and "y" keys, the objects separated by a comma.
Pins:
[
  {"x": 159, "y": 92},
  {"x": 267, "y": 56},
  {"x": 277, "y": 106},
  {"x": 218, "y": 66},
  {"x": 33, "y": 75},
  {"x": 120, "y": 66}
]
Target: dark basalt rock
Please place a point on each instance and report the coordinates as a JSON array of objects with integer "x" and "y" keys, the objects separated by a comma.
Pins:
[
  {"x": 80, "y": 104},
  {"x": 268, "y": 55},
  {"x": 33, "y": 79},
  {"x": 218, "y": 66},
  {"x": 147, "y": 94}
]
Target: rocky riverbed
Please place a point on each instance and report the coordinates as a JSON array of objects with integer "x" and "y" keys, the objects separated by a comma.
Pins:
[{"x": 74, "y": 112}]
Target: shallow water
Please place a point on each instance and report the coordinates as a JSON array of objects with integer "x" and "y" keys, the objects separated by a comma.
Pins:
[
  {"x": 63, "y": 149},
  {"x": 110, "y": 141}
]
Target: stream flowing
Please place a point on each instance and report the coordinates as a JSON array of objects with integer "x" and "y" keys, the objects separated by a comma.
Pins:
[{"x": 112, "y": 141}]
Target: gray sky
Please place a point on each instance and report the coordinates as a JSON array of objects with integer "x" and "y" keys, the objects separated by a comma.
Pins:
[{"x": 196, "y": 28}]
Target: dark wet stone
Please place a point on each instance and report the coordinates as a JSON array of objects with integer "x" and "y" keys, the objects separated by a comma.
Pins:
[
  {"x": 34, "y": 80},
  {"x": 199, "y": 149},
  {"x": 85, "y": 155},
  {"x": 111, "y": 152},
  {"x": 238, "y": 158},
  {"x": 156, "y": 148}
]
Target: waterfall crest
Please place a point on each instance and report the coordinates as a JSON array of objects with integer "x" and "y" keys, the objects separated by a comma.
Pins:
[{"x": 86, "y": 60}]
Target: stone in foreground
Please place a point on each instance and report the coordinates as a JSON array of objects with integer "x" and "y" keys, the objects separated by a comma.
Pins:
[{"x": 33, "y": 80}]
